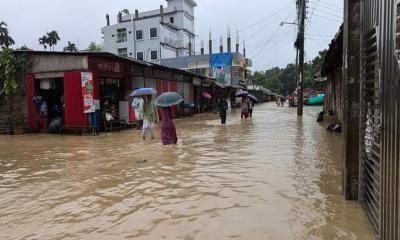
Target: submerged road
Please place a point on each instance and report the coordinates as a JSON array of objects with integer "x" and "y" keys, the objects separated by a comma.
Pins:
[{"x": 273, "y": 177}]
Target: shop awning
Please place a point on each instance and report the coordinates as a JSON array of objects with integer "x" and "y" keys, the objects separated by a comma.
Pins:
[{"x": 219, "y": 84}]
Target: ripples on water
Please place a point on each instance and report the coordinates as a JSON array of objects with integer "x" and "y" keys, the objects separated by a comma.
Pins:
[{"x": 273, "y": 177}]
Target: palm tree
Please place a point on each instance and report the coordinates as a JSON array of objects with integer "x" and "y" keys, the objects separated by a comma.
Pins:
[
  {"x": 44, "y": 40},
  {"x": 5, "y": 39},
  {"x": 71, "y": 47},
  {"x": 53, "y": 38}
]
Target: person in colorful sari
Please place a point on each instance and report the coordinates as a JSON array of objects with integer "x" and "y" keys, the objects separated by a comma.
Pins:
[
  {"x": 168, "y": 130},
  {"x": 150, "y": 117}
]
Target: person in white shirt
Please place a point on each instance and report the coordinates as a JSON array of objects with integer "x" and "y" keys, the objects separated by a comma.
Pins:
[{"x": 137, "y": 105}]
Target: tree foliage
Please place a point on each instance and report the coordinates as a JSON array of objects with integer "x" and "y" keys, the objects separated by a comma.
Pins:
[
  {"x": 71, "y": 47},
  {"x": 283, "y": 80},
  {"x": 24, "y": 48},
  {"x": 8, "y": 71},
  {"x": 5, "y": 39},
  {"x": 94, "y": 47},
  {"x": 49, "y": 40},
  {"x": 43, "y": 41}
]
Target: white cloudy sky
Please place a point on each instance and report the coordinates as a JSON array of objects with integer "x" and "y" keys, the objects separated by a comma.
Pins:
[{"x": 258, "y": 21}]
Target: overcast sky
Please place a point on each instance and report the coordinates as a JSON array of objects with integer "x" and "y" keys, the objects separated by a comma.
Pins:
[{"x": 258, "y": 21}]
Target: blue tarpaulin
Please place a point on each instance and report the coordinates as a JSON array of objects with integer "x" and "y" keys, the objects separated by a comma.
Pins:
[{"x": 221, "y": 60}]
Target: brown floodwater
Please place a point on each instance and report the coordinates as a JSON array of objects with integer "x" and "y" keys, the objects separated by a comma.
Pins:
[{"x": 273, "y": 177}]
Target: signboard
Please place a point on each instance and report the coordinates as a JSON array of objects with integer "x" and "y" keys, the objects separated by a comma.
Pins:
[
  {"x": 219, "y": 74},
  {"x": 87, "y": 92}
]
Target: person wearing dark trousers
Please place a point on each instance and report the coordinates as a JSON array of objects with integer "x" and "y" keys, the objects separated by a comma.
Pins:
[
  {"x": 251, "y": 106},
  {"x": 222, "y": 106}
]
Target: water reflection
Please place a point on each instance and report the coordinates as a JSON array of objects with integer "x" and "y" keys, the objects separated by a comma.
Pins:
[{"x": 272, "y": 177}]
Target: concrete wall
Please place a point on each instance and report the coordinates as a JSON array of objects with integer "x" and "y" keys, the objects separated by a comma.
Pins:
[
  {"x": 61, "y": 63},
  {"x": 351, "y": 100}
]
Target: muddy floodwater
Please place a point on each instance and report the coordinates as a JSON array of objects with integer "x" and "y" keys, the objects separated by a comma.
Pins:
[{"x": 272, "y": 177}]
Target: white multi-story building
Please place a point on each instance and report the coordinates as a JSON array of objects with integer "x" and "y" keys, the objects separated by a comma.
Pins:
[{"x": 167, "y": 32}]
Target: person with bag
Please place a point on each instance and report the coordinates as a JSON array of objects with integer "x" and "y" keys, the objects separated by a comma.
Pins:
[
  {"x": 137, "y": 105},
  {"x": 150, "y": 117}
]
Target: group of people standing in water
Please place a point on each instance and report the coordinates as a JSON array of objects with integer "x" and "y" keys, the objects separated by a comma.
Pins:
[
  {"x": 246, "y": 107},
  {"x": 148, "y": 116}
]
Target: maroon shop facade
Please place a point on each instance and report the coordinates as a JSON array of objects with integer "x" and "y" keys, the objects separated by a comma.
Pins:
[{"x": 57, "y": 79}]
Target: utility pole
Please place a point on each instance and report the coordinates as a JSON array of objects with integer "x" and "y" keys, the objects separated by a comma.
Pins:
[{"x": 301, "y": 10}]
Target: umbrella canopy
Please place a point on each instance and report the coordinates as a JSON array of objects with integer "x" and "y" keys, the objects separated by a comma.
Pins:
[
  {"x": 242, "y": 93},
  {"x": 206, "y": 95},
  {"x": 168, "y": 99},
  {"x": 143, "y": 92},
  {"x": 252, "y": 98}
]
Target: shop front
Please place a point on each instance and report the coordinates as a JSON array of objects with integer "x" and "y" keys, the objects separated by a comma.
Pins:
[{"x": 91, "y": 90}]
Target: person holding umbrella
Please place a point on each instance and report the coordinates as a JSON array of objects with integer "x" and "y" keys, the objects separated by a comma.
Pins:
[
  {"x": 150, "y": 117},
  {"x": 148, "y": 111},
  {"x": 244, "y": 104},
  {"x": 168, "y": 129}
]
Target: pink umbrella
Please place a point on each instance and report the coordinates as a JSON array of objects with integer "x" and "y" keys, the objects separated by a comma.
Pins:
[{"x": 206, "y": 95}]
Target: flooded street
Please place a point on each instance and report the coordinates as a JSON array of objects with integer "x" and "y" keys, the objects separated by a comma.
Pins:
[{"x": 273, "y": 177}]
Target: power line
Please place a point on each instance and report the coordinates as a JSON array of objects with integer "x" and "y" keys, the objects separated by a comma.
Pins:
[
  {"x": 278, "y": 13},
  {"x": 337, "y": 10},
  {"x": 328, "y": 19},
  {"x": 330, "y": 5},
  {"x": 313, "y": 10},
  {"x": 334, "y": 15},
  {"x": 265, "y": 27},
  {"x": 266, "y": 43}
]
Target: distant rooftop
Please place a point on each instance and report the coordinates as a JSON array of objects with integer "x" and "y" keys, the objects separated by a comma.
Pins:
[{"x": 192, "y": 2}]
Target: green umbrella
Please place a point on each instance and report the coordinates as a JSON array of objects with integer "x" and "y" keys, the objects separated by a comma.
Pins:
[{"x": 168, "y": 99}]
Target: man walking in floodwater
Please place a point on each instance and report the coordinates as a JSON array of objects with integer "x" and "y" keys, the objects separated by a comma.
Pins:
[{"x": 222, "y": 106}]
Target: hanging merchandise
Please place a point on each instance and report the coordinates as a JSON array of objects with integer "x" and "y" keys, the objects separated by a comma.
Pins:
[{"x": 45, "y": 84}]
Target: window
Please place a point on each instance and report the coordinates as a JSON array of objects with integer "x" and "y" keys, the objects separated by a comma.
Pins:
[
  {"x": 171, "y": 20},
  {"x": 140, "y": 56},
  {"x": 123, "y": 52},
  {"x": 139, "y": 34},
  {"x": 153, "y": 33},
  {"x": 154, "y": 55},
  {"x": 121, "y": 35}
]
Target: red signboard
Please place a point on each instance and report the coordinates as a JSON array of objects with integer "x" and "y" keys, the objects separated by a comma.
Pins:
[{"x": 87, "y": 92}]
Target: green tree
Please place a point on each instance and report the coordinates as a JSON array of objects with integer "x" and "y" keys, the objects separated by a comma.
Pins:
[
  {"x": 5, "y": 39},
  {"x": 94, "y": 47},
  {"x": 12, "y": 67},
  {"x": 8, "y": 71},
  {"x": 24, "y": 48},
  {"x": 44, "y": 41},
  {"x": 71, "y": 47},
  {"x": 283, "y": 80},
  {"x": 53, "y": 39}
]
